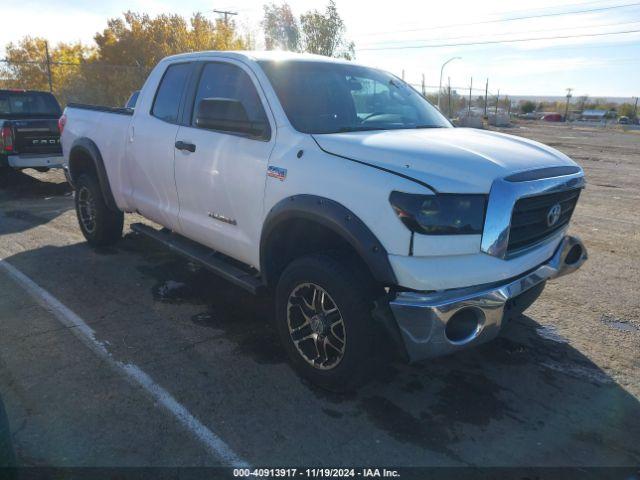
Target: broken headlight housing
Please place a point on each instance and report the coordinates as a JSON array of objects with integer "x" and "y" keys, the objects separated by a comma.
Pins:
[{"x": 440, "y": 214}]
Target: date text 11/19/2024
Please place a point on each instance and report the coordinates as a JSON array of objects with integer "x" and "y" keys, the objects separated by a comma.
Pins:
[{"x": 316, "y": 472}]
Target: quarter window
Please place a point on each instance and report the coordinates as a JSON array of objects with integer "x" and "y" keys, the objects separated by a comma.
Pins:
[{"x": 169, "y": 95}]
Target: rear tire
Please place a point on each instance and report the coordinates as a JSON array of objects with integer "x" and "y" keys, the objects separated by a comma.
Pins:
[
  {"x": 100, "y": 225},
  {"x": 329, "y": 340}
]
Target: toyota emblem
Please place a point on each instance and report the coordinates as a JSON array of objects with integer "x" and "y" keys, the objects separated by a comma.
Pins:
[{"x": 553, "y": 215}]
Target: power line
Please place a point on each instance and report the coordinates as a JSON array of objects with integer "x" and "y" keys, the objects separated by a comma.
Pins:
[
  {"x": 557, "y": 37},
  {"x": 511, "y": 33},
  {"x": 579, "y": 4},
  {"x": 582, "y": 47},
  {"x": 556, "y": 14},
  {"x": 566, "y": 5}
]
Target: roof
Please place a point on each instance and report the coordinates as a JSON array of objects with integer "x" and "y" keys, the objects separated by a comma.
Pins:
[
  {"x": 256, "y": 55},
  {"x": 594, "y": 113}
]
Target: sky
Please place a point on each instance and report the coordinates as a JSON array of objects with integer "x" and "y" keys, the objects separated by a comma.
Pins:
[{"x": 416, "y": 37}]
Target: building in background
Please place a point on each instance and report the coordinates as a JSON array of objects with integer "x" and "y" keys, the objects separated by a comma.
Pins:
[{"x": 597, "y": 115}]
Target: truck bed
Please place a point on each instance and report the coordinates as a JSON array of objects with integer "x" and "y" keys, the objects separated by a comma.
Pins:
[
  {"x": 101, "y": 108},
  {"x": 108, "y": 129}
]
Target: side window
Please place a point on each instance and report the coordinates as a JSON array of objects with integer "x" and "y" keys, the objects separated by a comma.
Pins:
[
  {"x": 226, "y": 81},
  {"x": 169, "y": 94}
]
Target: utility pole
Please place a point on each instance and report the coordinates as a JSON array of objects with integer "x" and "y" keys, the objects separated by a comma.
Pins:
[
  {"x": 486, "y": 97},
  {"x": 470, "y": 89},
  {"x": 508, "y": 107},
  {"x": 226, "y": 14},
  {"x": 566, "y": 107},
  {"x": 449, "y": 108},
  {"x": 635, "y": 109},
  {"x": 403, "y": 74},
  {"x": 496, "y": 112},
  {"x": 46, "y": 49},
  {"x": 424, "y": 92}
]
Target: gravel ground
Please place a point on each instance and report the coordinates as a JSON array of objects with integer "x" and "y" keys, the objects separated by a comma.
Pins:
[
  {"x": 560, "y": 386},
  {"x": 603, "y": 298}
]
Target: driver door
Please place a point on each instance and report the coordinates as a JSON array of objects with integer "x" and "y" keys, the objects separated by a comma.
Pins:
[{"x": 220, "y": 175}]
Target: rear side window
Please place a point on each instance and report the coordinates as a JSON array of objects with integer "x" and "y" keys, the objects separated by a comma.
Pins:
[
  {"x": 223, "y": 80},
  {"x": 169, "y": 94}
]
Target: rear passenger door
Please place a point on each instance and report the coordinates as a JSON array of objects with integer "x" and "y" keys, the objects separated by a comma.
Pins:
[
  {"x": 151, "y": 151},
  {"x": 221, "y": 183}
]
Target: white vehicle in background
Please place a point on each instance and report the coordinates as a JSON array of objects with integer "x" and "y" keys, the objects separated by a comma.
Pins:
[{"x": 341, "y": 191}]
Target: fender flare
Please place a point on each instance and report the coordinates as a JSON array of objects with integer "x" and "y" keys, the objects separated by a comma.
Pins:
[
  {"x": 336, "y": 218},
  {"x": 89, "y": 149}
]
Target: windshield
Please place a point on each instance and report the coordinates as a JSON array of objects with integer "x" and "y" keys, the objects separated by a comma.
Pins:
[
  {"x": 28, "y": 104},
  {"x": 323, "y": 97}
]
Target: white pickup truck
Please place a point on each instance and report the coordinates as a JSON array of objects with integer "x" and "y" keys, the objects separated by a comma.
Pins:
[{"x": 337, "y": 188}]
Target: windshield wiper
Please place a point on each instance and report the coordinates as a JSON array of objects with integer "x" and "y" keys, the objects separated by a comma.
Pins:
[
  {"x": 357, "y": 129},
  {"x": 428, "y": 126}
]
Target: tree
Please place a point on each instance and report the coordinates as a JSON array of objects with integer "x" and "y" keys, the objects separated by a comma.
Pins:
[
  {"x": 582, "y": 101},
  {"x": 323, "y": 34},
  {"x": 527, "y": 107},
  {"x": 281, "y": 28},
  {"x": 26, "y": 65},
  {"x": 138, "y": 39},
  {"x": 134, "y": 44},
  {"x": 626, "y": 110},
  {"x": 125, "y": 52}
]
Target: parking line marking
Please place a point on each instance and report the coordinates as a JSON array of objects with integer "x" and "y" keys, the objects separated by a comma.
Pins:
[{"x": 85, "y": 333}]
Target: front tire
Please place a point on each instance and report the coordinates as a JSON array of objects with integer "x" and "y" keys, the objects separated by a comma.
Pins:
[
  {"x": 100, "y": 225},
  {"x": 323, "y": 317}
]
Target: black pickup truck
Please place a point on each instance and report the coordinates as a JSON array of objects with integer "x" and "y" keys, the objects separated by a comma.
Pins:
[{"x": 29, "y": 132}]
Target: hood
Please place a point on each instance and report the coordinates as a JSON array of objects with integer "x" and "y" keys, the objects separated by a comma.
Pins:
[{"x": 451, "y": 160}]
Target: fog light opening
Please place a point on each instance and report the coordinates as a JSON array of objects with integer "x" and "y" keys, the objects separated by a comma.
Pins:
[
  {"x": 573, "y": 255},
  {"x": 464, "y": 325}
]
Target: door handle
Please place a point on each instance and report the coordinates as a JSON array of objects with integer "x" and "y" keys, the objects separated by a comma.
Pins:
[{"x": 190, "y": 147}]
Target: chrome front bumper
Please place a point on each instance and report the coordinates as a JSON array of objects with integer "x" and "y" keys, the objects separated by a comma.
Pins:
[{"x": 433, "y": 324}]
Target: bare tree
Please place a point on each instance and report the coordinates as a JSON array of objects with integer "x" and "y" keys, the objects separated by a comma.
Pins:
[{"x": 582, "y": 101}]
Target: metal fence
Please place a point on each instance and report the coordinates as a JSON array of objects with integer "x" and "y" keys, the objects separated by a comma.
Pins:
[
  {"x": 108, "y": 84},
  {"x": 88, "y": 82}
]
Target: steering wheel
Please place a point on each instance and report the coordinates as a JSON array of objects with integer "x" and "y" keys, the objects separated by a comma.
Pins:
[{"x": 374, "y": 114}]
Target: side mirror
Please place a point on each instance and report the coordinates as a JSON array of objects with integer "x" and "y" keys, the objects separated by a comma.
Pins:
[{"x": 228, "y": 115}]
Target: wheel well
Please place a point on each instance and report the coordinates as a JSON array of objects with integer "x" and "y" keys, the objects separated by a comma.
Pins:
[
  {"x": 296, "y": 237},
  {"x": 80, "y": 162},
  {"x": 85, "y": 158}
]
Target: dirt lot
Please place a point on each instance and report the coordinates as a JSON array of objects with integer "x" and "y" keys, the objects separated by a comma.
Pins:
[{"x": 561, "y": 386}]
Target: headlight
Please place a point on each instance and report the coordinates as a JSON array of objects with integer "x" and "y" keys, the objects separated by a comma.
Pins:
[{"x": 443, "y": 214}]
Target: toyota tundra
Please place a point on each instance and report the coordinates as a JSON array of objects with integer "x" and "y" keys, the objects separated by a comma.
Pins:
[{"x": 339, "y": 190}]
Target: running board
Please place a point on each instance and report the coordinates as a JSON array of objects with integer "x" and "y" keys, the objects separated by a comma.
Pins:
[{"x": 208, "y": 258}]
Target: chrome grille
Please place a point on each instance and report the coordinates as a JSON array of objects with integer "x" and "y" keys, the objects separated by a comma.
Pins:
[{"x": 529, "y": 224}]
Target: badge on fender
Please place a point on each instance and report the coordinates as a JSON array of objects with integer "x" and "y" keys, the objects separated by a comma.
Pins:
[{"x": 277, "y": 172}]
